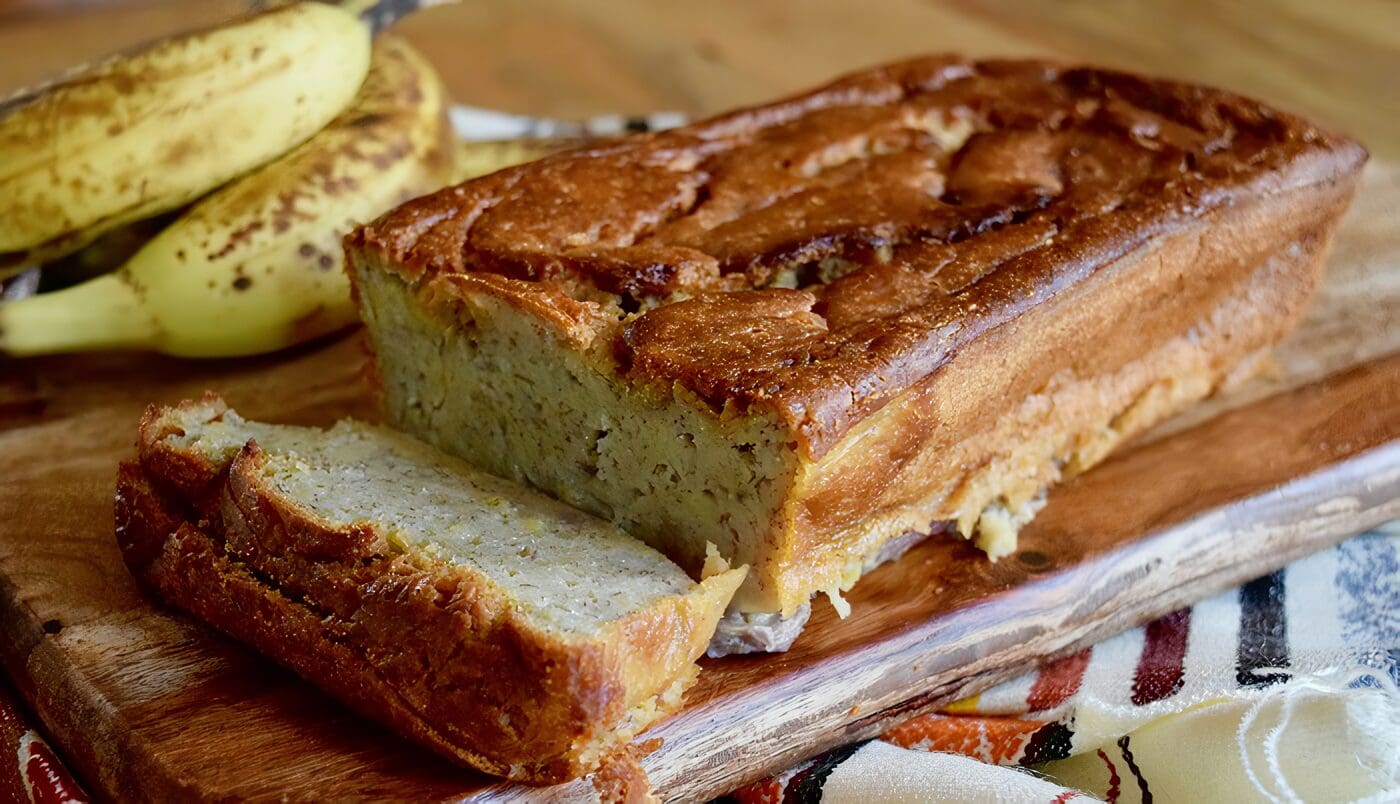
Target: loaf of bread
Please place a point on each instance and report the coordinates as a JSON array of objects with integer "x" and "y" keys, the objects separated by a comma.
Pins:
[
  {"x": 495, "y": 625},
  {"x": 808, "y": 330}
]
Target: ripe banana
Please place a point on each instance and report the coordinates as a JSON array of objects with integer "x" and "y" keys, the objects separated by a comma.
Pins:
[
  {"x": 256, "y": 265},
  {"x": 147, "y": 132}
]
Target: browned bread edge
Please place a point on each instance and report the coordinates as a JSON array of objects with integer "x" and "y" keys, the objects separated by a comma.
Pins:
[{"x": 434, "y": 651}]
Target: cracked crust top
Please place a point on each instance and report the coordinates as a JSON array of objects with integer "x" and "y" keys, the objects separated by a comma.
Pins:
[{"x": 819, "y": 255}]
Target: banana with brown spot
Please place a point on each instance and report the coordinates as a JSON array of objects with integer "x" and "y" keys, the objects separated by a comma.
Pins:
[
  {"x": 256, "y": 265},
  {"x": 149, "y": 131}
]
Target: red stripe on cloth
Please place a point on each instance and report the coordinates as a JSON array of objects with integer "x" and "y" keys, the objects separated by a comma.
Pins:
[
  {"x": 29, "y": 770},
  {"x": 1161, "y": 668},
  {"x": 996, "y": 740},
  {"x": 1065, "y": 796},
  {"x": 1113, "y": 781},
  {"x": 44, "y": 776},
  {"x": 1057, "y": 681}
]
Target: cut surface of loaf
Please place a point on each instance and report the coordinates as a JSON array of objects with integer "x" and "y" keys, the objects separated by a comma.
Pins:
[
  {"x": 498, "y": 626},
  {"x": 806, "y": 330}
]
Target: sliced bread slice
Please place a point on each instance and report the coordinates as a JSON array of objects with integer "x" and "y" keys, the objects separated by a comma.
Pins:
[{"x": 499, "y": 627}]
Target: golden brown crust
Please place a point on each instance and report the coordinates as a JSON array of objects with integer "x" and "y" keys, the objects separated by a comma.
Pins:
[
  {"x": 1259, "y": 261},
  {"x": 189, "y": 569},
  {"x": 916, "y": 207},
  {"x": 187, "y": 471},
  {"x": 1051, "y": 393},
  {"x": 624, "y": 780},
  {"x": 384, "y": 638},
  {"x": 438, "y": 652},
  {"x": 279, "y": 527}
]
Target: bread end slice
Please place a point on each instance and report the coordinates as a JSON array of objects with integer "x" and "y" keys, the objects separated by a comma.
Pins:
[{"x": 435, "y": 645}]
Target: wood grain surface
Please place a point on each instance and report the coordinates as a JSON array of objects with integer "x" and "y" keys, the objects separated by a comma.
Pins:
[
  {"x": 147, "y": 705},
  {"x": 1336, "y": 61}
]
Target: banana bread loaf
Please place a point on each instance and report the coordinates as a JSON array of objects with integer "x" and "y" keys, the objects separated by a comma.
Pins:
[
  {"x": 804, "y": 330},
  {"x": 495, "y": 625}
]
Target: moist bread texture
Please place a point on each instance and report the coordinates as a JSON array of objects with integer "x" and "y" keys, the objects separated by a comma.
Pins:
[
  {"x": 499, "y": 627},
  {"x": 920, "y": 294}
]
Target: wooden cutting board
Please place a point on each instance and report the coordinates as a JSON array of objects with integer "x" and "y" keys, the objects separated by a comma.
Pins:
[{"x": 147, "y": 704}]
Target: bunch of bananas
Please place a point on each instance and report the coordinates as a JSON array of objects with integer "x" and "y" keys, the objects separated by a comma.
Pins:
[{"x": 209, "y": 178}]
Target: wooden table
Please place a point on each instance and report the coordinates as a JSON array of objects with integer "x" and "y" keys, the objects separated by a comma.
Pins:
[
  {"x": 1337, "y": 61},
  {"x": 562, "y": 58}
]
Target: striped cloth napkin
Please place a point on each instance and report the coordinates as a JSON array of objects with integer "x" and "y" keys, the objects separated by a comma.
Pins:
[{"x": 1285, "y": 689}]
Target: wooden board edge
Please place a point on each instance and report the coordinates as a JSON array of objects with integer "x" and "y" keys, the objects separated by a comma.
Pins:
[
  {"x": 702, "y": 755},
  {"x": 1265, "y": 532},
  {"x": 75, "y": 716}
]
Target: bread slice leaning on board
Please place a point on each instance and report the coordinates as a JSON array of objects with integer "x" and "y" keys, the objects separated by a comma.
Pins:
[{"x": 486, "y": 621}]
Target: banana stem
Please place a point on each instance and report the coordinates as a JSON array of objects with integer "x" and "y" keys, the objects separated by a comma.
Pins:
[{"x": 103, "y": 313}]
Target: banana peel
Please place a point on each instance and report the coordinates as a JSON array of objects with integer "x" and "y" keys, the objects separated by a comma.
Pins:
[
  {"x": 150, "y": 131},
  {"x": 256, "y": 265}
]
